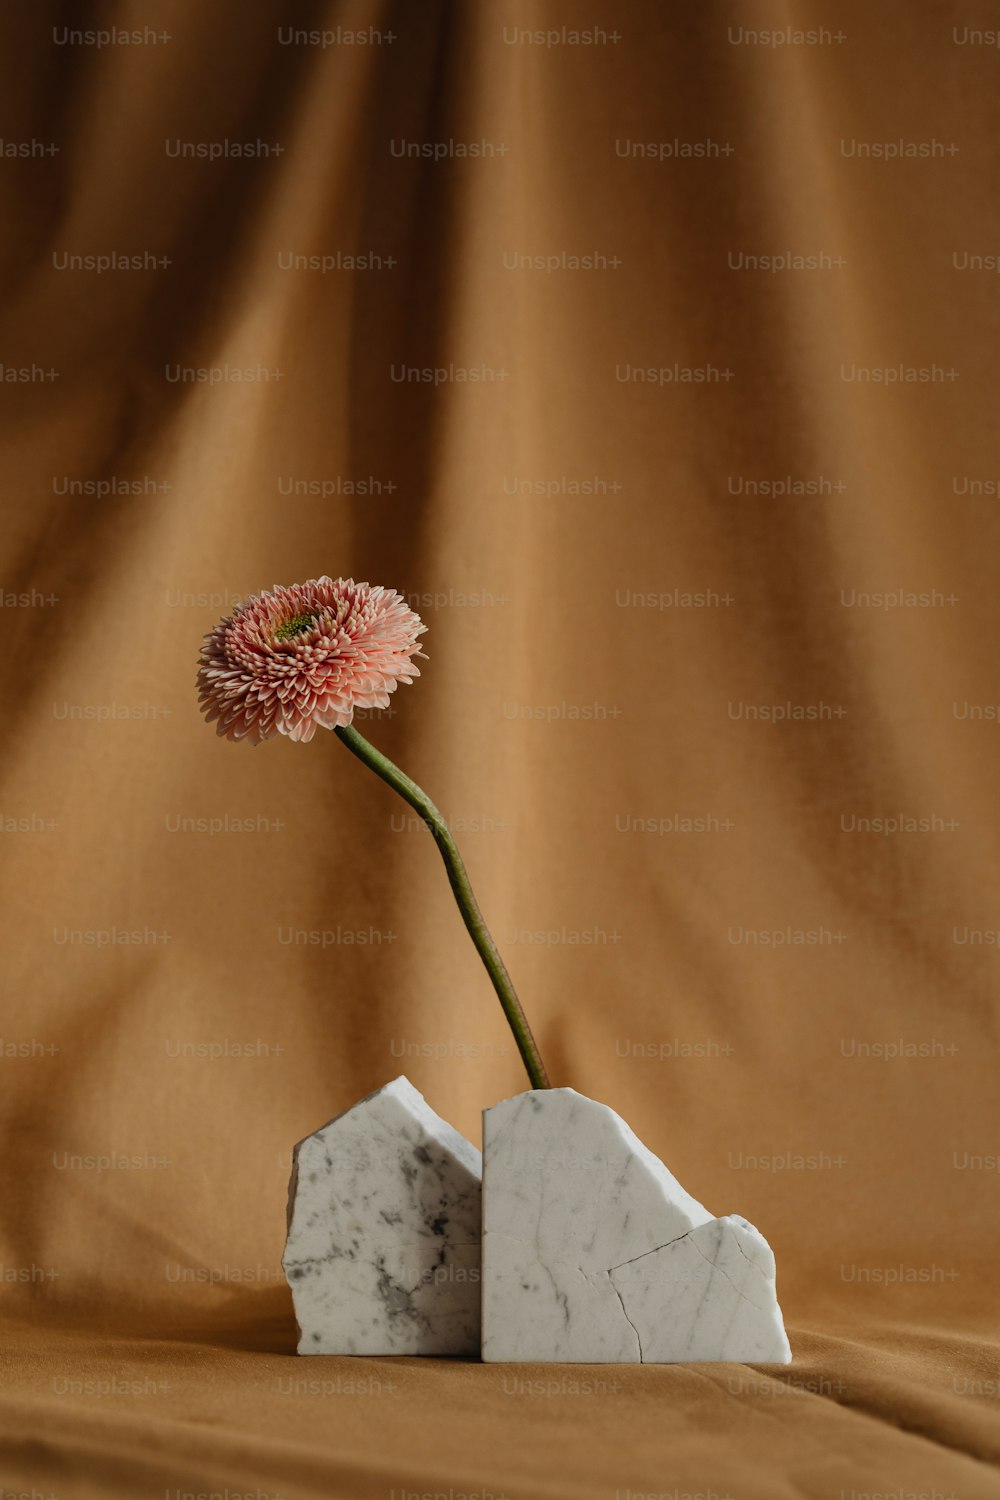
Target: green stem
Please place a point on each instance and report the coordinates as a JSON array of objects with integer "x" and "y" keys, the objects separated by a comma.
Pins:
[{"x": 467, "y": 903}]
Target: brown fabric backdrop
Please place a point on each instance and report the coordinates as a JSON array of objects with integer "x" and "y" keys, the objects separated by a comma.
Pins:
[{"x": 795, "y": 1008}]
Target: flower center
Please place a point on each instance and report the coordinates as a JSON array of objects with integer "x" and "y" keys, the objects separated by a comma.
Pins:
[{"x": 295, "y": 626}]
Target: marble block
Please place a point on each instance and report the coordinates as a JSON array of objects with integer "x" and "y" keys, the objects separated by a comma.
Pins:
[
  {"x": 594, "y": 1253},
  {"x": 384, "y": 1220}
]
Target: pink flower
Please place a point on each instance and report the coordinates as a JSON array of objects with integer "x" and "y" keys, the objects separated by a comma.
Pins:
[{"x": 301, "y": 658}]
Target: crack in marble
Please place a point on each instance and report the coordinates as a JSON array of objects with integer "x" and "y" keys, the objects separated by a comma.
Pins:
[
  {"x": 638, "y": 1340},
  {"x": 643, "y": 1253}
]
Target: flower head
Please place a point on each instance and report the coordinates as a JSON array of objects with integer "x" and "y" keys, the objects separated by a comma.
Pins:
[{"x": 305, "y": 657}]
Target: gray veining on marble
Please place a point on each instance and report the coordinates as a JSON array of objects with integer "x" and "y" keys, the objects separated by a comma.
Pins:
[
  {"x": 384, "y": 1221},
  {"x": 594, "y": 1253}
]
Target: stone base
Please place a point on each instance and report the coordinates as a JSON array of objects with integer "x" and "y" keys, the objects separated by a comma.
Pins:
[
  {"x": 594, "y": 1253},
  {"x": 384, "y": 1218}
]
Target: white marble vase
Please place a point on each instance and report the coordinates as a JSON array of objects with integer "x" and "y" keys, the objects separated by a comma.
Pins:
[
  {"x": 594, "y": 1253},
  {"x": 583, "y": 1246}
]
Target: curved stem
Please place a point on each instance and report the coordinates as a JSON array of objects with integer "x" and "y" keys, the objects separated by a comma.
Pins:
[{"x": 467, "y": 903}]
